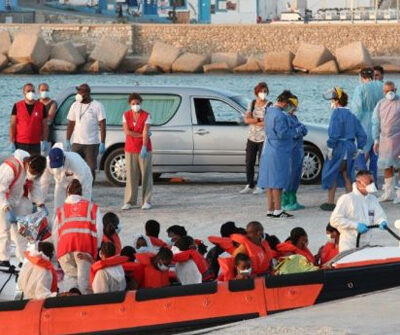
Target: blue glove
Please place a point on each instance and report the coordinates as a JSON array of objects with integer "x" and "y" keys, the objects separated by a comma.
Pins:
[
  {"x": 362, "y": 228},
  {"x": 11, "y": 216},
  {"x": 67, "y": 145},
  {"x": 45, "y": 146},
  {"x": 12, "y": 147},
  {"x": 102, "y": 148},
  {"x": 143, "y": 152},
  {"x": 383, "y": 225}
]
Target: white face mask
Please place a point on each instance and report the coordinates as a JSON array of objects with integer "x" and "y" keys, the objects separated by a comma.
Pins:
[
  {"x": 390, "y": 95},
  {"x": 118, "y": 230},
  {"x": 78, "y": 97},
  {"x": 30, "y": 176},
  {"x": 44, "y": 94},
  {"x": 169, "y": 241},
  {"x": 245, "y": 272},
  {"x": 371, "y": 188},
  {"x": 30, "y": 96},
  {"x": 162, "y": 267},
  {"x": 262, "y": 95},
  {"x": 329, "y": 239},
  {"x": 333, "y": 105},
  {"x": 136, "y": 108},
  {"x": 142, "y": 250}
]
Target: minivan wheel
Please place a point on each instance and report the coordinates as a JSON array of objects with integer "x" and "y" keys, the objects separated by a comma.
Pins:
[
  {"x": 312, "y": 165},
  {"x": 115, "y": 168}
]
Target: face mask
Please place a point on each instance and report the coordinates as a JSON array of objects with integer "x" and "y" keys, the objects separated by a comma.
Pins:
[
  {"x": 136, "y": 108},
  {"x": 169, "y": 241},
  {"x": 262, "y": 95},
  {"x": 329, "y": 239},
  {"x": 371, "y": 188},
  {"x": 162, "y": 267},
  {"x": 390, "y": 95},
  {"x": 142, "y": 250},
  {"x": 30, "y": 95},
  {"x": 30, "y": 176},
  {"x": 118, "y": 230},
  {"x": 44, "y": 94},
  {"x": 78, "y": 97},
  {"x": 245, "y": 272},
  {"x": 333, "y": 105}
]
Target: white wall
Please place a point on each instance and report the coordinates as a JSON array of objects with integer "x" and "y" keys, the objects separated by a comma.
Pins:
[{"x": 245, "y": 12}]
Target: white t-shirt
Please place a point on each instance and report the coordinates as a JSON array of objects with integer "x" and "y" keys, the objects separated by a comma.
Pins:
[
  {"x": 148, "y": 120},
  {"x": 87, "y": 118}
]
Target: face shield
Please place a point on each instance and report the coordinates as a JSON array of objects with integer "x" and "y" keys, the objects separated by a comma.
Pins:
[{"x": 333, "y": 93}]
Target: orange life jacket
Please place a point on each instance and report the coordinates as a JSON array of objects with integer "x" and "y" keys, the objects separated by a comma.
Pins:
[
  {"x": 287, "y": 247},
  {"x": 225, "y": 243},
  {"x": 227, "y": 266},
  {"x": 114, "y": 240},
  {"x": 45, "y": 264},
  {"x": 153, "y": 277},
  {"x": 106, "y": 263},
  {"x": 135, "y": 271},
  {"x": 198, "y": 259},
  {"x": 77, "y": 229},
  {"x": 329, "y": 251},
  {"x": 260, "y": 255},
  {"x": 17, "y": 168},
  {"x": 157, "y": 242},
  {"x": 29, "y": 127}
]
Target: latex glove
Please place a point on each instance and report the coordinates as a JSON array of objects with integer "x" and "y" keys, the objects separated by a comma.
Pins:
[
  {"x": 12, "y": 147},
  {"x": 143, "y": 152},
  {"x": 102, "y": 148},
  {"x": 45, "y": 147},
  {"x": 67, "y": 145},
  {"x": 329, "y": 153},
  {"x": 10, "y": 215},
  {"x": 383, "y": 225},
  {"x": 362, "y": 228},
  {"x": 358, "y": 152}
]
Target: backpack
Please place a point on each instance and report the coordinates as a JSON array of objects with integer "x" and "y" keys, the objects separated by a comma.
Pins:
[{"x": 253, "y": 104}]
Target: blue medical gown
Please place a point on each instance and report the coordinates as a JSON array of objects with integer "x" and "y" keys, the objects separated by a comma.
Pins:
[
  {"x": 297, "y": 157},
  {"x": 344, "y": 130},
  {"x": 275, "y": 163}
]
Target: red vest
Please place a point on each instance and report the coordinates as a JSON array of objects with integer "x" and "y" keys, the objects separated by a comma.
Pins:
[
  {"x": 134, "y": 270},
  {"x": 16, "y": 166},
  {"x": 288, "y": 247},
  {"x": 260, "y": 256},
  {"x": 105, "y": 263},
  {"x": 134, "y": 144},
  {"x": 29, "y": 127},
  {"x": 156, "y": 242},
  {"x": 198, "y": 259},
  {"x": 77, "y": 228},
  {"x": 45, "y": 264},
  {"x": 329, "y": 251},
  {"x": 114, "y": 240},
  {"x": 225, "y": 243},
  {"x": 153, "y": 277}
]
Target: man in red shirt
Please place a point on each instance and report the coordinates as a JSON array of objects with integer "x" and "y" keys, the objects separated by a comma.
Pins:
[{"x": 28, "y": 124}]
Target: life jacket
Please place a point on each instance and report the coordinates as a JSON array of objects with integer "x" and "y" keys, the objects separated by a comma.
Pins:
[
  {"x": 45, "y": 264},
  {"x": 114, "y": 240},
  {"x": 153, "y": 277},
  {"x": 77, "y": 229},
  {"x": 286, "y": 247},
  {"x": 329, "y": 251},
  {"x": 29, "y": 127},
  {"x": 198, "y": 259},
  {"x": 225, "y": 243},
  {"x": 260, "y": 255},
  {"x": 134, "y": 144},
  {"x": 17, "y": 168},
  {"x": 106, "y": 263},
  {"x": 156, "y": 242},
  {"x": 135, "y": 271},
  {"x": 227, "y": 266}
]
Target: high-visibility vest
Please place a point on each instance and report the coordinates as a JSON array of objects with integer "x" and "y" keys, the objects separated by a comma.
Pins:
[
  {"x": 329, "y": 251},
  {"x": 114, "y": 240},
  {"x": 106, "y": 263},
  {"x": 153, "y": 277},
  {"x": 225, "y": 243},
  {"x": 17, "y": 168},
  {"x": 29, "y": 127},
  {"x": 77, "y": 229},
  {"x": 286, "y": 247},
  {"x": 260, "y": 255},
  {"x": 134, "y": 144},
  {"x": 45, "y": 264}
]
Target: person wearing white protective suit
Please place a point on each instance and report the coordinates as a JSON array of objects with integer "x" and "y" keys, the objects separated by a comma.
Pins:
[
  {"x": 19, "y": 188},
  {"x": 63, "y": 167},
  {"x": 77, "y": 234},
  {"x": 386, "y": 132},
  {"x": 357, "y": 210}
]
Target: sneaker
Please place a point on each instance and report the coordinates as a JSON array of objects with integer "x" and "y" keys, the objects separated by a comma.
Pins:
[
  {"x": 283, "y": 215},
  {"x": 246, "y": 190},
  {"x": 126, "y": 207},
  {"x": 258, "y": 190},
  {"x": 327, "y": 207},
  {"x": 270, "y": 215},
  {"x": 146, "y": 205}
]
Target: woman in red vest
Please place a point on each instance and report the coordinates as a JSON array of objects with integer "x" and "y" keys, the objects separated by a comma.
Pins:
[
  {"x": 296, "y": 244},
  {"x": 136, "y": 123}
]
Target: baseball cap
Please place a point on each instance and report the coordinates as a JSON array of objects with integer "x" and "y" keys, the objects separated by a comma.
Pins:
[
  {"x": 83, "y": 87},
  {"x": 56, "y": 157}
]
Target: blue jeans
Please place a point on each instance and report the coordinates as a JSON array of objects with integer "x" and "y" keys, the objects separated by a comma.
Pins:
[{"x": 361, "y": 163}]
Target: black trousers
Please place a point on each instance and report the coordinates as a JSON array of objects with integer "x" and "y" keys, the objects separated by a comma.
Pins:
[
  {"x": 253, "y": 150},
  {"x": 32, "y": 149},
  {"x": 89, "y": 153}
]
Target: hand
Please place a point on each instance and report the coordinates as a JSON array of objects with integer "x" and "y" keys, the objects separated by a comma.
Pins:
[
  {"x": 362, "y": 228},
  {"x": 11, "y": 147},
  {"x": 376, "y": 148},
  {"x": 10, "y": 215},
  {"x": 358, "y": 152},
  {"x": 143, "y": 152},
  {"x": 383, "y": 225},
  {"x": 45, "y": 147},
  {"x": 329, "y": 153},
  {"x": 102, "y": 148},
  {"x": 67, "y": 145}
]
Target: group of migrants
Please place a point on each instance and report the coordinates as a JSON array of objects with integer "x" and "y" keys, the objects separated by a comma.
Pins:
[{"x": 86, "y": 244}]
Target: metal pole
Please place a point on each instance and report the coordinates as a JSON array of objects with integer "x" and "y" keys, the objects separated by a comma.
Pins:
[
  {"x": 376, "y": 11},
  {"x": 352, "y": 10},
  {"x": 398, "y": 3}
]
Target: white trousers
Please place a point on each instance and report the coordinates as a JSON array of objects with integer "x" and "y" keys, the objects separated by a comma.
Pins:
[
  {"x": 9, "y": 231},
  {"x": 76, "y": 272}
]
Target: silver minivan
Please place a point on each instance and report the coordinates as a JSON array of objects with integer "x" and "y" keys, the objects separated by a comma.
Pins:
[{"x": 193, "y": 130}]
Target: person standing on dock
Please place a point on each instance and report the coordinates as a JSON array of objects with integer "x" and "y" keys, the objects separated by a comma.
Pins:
[{"x": 49, "y": 104}]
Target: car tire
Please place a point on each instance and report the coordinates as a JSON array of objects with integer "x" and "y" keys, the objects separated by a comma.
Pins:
[
  {"x": 115, "y": 168},
  {"x": 312, "y": 165}
]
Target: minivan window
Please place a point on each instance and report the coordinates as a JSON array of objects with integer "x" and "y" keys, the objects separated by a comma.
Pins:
[
  {"x": 241, "y": 101},
  {"x": 215, "y": 112},
  {"x": 162, "y": 107}
]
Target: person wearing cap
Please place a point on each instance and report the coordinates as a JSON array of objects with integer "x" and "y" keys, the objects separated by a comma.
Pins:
[
  {"x": 49, "y": 104},
  {"x": 85, "y": 117},
  {"x": 344, "y": 129},
  {"x": 64, "y": 166},
  {"x": 275, "y": 163},
  {"x": 28, "y": 124},
  {"x": 365, "y": 98}
]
